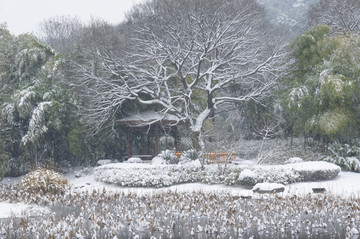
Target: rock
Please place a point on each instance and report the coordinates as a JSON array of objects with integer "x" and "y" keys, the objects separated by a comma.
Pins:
[
  {"x": 268, "y": 188},
  {"x": 102, "y": 162},
  {"x": 245, "y": 197},
  {"x": 318, "y": 190}
]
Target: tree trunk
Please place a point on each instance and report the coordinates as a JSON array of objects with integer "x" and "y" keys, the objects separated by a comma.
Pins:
[{"x": 195, "y": 140}]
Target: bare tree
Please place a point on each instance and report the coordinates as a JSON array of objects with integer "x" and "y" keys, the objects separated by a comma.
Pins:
[
  {"x": 340, "y": 15},
  {"x": 180, "y": 56},
  {"x": 62, "y": 33}
]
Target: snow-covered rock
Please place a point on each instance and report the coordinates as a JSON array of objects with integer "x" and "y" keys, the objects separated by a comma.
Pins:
[
  {"x": 134, "y": 160},
  {"x": 103, "y": 162},
  {"x": 268, "y": 188},
  {"x": 354, "y": 232},
  {"x": 158, "y": 161}
]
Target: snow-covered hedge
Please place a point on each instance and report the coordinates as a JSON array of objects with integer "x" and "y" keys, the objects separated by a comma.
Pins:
[
  {"x": 290, "y": 173},
  {"x": 144, "y": 175},
  {"x": 44, "y": 181}
]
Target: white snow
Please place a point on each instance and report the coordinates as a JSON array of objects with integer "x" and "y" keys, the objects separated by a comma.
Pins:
[{"x": 20, "y": 209}]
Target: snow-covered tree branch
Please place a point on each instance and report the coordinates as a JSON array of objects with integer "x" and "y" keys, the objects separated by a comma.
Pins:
[{"x": 342, "y": 16}]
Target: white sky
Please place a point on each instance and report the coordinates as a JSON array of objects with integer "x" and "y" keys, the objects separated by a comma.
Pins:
[{"x": 24, "y": 16}]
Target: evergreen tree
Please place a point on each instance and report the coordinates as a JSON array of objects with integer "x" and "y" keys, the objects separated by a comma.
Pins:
[{"x": 321, "y": 99}]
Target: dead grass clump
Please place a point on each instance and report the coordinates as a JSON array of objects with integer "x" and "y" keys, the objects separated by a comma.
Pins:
[{"x": 44, "y": 181}]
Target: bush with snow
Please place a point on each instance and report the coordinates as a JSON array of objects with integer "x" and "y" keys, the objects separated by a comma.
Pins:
[
  {"x": 169, "y": 156},
  {"x": 44, "y": 181},
  {"x": 344, "y": 155},
  {"x": 248, "y": 177},
  {"x": 189, "y": 156}
]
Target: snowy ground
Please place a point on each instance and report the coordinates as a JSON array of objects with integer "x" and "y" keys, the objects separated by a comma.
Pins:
[{"x": 346, "y": 184}]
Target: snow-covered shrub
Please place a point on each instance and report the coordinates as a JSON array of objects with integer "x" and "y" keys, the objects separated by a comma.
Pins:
[
  {"x": 248, "y": 177},
  {"x": 134, "y": 160},
  {"x": 276, "y": 174},
  {"x": 188, "y": 156},
  {"x": 44, "y": 181},
  {"x": 191, "y": 155},
  {"x": 315, "y": 171},
  {"x": 344, "y": 155},
  {"x": 169, "y": 156}
]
